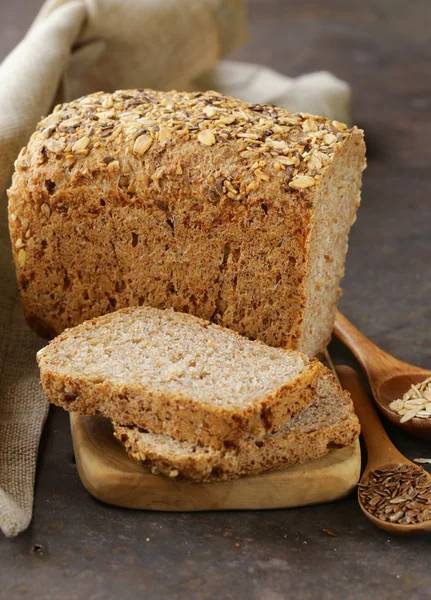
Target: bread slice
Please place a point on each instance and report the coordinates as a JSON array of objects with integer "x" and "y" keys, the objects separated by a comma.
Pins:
[
  {"x": 176, "y": 374},
  {"x": 328, "y": 422}
]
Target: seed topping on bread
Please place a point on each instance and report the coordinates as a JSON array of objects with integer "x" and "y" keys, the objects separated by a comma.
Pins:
[
  {"x": 145, "y": 121},
  {"x": 238, "y": 213}
]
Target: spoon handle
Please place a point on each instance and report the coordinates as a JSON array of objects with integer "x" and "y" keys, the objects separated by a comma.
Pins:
[
  {"x": 379, "y": 447},
  {"x": 375, "y": 362}
]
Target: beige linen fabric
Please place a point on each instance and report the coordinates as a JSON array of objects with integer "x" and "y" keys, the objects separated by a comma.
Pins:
[{"x": 76, "y": 47}]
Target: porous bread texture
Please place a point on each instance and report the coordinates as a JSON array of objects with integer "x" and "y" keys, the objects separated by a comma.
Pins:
[
  {"x": 176, "y": 374},
  {"x": 335, "y": 212},
  {"x": 234, "y": 212},
  {"x": 328, "y": 422}
]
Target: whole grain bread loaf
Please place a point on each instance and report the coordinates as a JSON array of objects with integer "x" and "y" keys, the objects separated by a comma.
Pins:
[
  {"x": 328, "y": 422},
  {"x": 238, "y": 213},
  {"x": 176, "y": 374}
]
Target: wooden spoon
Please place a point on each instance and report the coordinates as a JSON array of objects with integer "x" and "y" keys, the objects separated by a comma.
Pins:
[
  {"x": 389, "y": 377},
  {"x": 380, "y": 450}
]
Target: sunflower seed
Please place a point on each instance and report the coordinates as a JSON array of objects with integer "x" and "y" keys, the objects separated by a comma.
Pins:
[
  {"x": 206, "y": 137},
  {"x": 302, "y": 182},
  {"x": 142, "y": 144},
  {"x": 81, "y": 145}
]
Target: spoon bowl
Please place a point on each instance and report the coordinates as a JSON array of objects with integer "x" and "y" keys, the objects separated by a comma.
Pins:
[
  {"x": 380, "y": 450},
  {"x": 389, "y": 378},
  {"x": 394, "y": 388},
  {"x": 393, "y": 528}
]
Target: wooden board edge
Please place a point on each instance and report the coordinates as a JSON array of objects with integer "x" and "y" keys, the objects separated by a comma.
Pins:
[
  {"x": 279, "y": 489},
  {"x": 110, "y": 476}
]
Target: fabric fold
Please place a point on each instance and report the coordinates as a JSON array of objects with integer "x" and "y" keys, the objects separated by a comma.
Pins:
[{"x": 75, "y": 47}]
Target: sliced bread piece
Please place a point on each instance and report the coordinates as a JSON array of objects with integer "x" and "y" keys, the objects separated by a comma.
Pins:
[
  {"x": 328, "y": 422},
  {"x": 175, "y": 374}
]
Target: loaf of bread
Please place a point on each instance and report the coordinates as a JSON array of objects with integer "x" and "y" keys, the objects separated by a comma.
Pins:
[
  {"x": 178, "y": 375},
  {"x": 238, "y": 213},
  {"x": 328, "y": 422}
]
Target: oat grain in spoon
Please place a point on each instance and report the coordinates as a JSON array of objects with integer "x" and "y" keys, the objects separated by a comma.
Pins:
[
  {"x": 396, "y": 385},
  {"x": 416, "y": 402}
]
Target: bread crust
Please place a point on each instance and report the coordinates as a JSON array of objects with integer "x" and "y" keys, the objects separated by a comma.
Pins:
[
  {"x": 193, "y": 201},
  {"x": 292, "y": 444},
  {"x": 175, "y": 414}
]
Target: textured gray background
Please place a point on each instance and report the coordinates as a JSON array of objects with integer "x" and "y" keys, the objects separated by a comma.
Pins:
[{"x": 88, "y": 550}]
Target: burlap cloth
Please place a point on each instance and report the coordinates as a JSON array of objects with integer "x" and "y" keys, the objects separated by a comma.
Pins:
[{"x": 79, "y": 46}]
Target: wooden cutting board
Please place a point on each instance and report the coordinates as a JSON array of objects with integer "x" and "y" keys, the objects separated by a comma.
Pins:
[{"x": 112, "y": 477}]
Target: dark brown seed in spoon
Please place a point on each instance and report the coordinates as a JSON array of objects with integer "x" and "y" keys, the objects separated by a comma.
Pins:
[{"x": 397, "y": 493}]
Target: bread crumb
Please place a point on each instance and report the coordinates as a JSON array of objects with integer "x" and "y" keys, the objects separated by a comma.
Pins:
[{"x": 330, "y": 532}]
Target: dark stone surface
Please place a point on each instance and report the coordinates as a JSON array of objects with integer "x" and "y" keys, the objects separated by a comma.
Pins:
[{"x": 83, "y": 549}]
